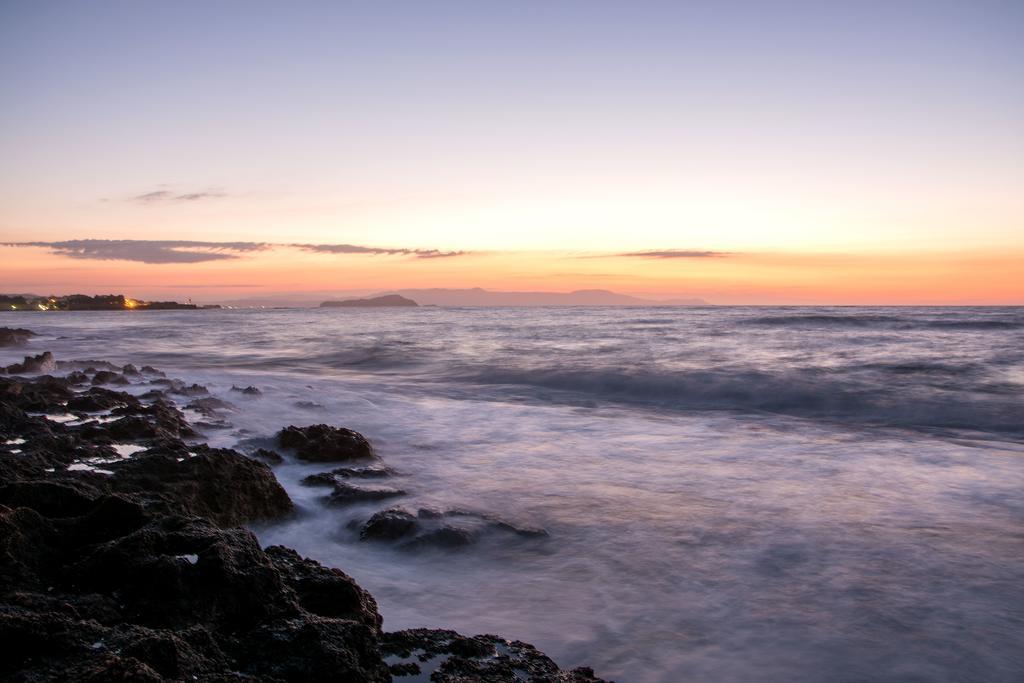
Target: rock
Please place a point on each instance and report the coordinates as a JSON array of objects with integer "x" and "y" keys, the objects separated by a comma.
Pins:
[
  {"x": 248, "y": 391},
  {"x": 389, "y": 525},
  {"x": 483, "y": 659},
  {"x": 108, "y": 377},
  {"x": 363, "y": 472},
  {"x": 335, "y": 476},
  {"x": 268, "y": 456},
  {"x": 16, "y": 336},
  {"x": 97, "y": 399},
  {"x": 345, "y": 494},
  {"x": 209, "y": 405},
  {"x": 448, "y": 529},
  {"x": 130, "y": 370},
  {"x": 319, "y": 479},
  {"x": 323, "y": 443},
  {"x": 221, "y": 485},
  {"x": 42, "y": 363},
  {"x": 152, "y": 372},
  {"x": 171, "y": 597},
  {"x": 77, "y": 377}
]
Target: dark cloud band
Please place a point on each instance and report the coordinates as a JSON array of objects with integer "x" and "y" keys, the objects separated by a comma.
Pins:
[{"x": 191, "y": 251}]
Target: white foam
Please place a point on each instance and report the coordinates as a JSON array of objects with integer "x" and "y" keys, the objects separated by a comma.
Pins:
[
  {"x": 127, "y": 450},
  {"x": 191, "y": 559},
  {"x": 83, "y": 467},
  {"x": 63, "y": 419},
  {"x": 14, "y": 442}
]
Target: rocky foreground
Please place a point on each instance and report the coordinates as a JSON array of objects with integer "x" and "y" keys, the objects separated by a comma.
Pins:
[{"x": 123, "y": 555}]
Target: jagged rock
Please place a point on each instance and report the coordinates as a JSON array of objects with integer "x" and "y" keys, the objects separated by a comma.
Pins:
[
  {"x": 42, "y": 363},
  {"x": 268, "y": 456},
  {"x": 97, "y": 399},
  {"x": 481, "y": 659},
  {"x": 150, "y": 370},
  {"x": 117, "y": 594},
  {"x": 108, "y": 377},
  {"x": 248, "y": 391},
  {"x": 345, "y": 494},
  {"x": 451, "y": 528},
  {"x": 221, "y": 485},
  {"x": 323, "y": 443},
  {"x": 389, "y": 525},
  {"x": 335, "y": 476},
  {"x": 209, "y": 405}
]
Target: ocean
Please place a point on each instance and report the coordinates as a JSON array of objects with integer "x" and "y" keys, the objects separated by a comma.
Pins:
[{"x": 730, "y": 493}]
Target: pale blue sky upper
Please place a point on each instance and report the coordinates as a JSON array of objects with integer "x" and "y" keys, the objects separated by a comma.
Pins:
[{"x": 329, "y": 108}]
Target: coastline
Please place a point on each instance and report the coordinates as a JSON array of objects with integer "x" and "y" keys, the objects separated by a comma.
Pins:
[{"x": 124, "y": 556}]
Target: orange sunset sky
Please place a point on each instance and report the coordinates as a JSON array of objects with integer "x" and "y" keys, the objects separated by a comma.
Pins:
[{"x": 172, "y": 151}]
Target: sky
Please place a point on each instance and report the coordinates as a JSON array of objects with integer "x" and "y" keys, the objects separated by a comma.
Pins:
[{"x": 742, "y": 152}]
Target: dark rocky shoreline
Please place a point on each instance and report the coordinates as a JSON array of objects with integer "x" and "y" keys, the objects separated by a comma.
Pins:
[{"x": 123, "y": 557}]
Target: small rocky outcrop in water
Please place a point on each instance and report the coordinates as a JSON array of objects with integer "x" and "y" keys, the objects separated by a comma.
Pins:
[
  {"x": 44, "y": 362},
  {"x": 15, "y": 336},
  {"x": 323, "y": 443},
  {"x": 124, "y": 562},
  {"x": 453, "y": 658},
  {"x": 447, "y": 529}
]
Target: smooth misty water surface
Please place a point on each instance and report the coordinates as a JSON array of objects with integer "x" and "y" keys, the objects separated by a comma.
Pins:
[{"x": 732, "y": 494}]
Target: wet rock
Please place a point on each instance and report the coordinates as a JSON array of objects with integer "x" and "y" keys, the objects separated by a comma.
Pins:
[
  {"x": 319, "y": 479},
  {"x": 324, "y": 591},
  {"x": 338, "y": 474},
  {"x": 209, "y": 405},
  {"x": 77, "y": 377},
  {"x": 42, "y": 363},
  {"x": 483, "y": 659},
  {"x": 248, "y": 391},
  {"x": 433, "y": 528},
  {"x": 221, "y": 485},
  {"x": 108, "y": 377},
  {"x": 97, "y": 399},
  {"x": 389, "y": 525},
  {"x": 268, "y": 456},
  {"x": 444, "y": 536},
  {"x": 130, "y": 370},
  {"x": 323, "y": 443},
  {"x": 345, "y": 494},
  {"x": 171, "y": 597},
  {"x": 308, "y": 405},
  {"x": 152, "y": 372},
  {"x": 16, "y": 336}
]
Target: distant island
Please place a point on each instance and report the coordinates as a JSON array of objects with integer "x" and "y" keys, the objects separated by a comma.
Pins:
[
  {"x": 386, "y": 301},
  {"x": 83, "y": 302}
]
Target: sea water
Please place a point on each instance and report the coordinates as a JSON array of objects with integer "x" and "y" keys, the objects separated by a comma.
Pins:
[{"x": 730, "y": 493}]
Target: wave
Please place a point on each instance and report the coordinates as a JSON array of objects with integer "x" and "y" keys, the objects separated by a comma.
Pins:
[
  {"x": 813, "y": 393},
  {"x": 823, "y": 319},
  {"x": 885, "y": 321}
]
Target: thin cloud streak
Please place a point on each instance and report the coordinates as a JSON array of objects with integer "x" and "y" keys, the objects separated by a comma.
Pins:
[
  {"x": 158, "y": 196},
  {"x": 674, "y": 253},
  {"x": 356, "y": 249}
]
